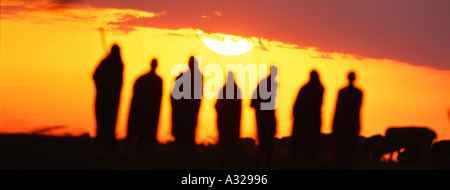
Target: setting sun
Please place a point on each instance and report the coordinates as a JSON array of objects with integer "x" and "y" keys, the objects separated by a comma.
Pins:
[
  {"x": 227, "y": 44},
  {"x": 50, "y": 50}
]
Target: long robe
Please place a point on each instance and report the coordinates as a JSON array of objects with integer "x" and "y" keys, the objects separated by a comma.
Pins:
[
  {"x": 307, "y": 120},
  {"x": 108, "y": 79},
  {"x": 145, "y": 108},
  {"x": 265, "y": 119},
  {"x": 346, "y": 123},
  {"x": 185, "y": 110},
  {"x": 229, "y": 118}
]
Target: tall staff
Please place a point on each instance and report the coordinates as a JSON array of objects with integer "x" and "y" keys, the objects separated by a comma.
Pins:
[{"x": 103, "y": 39}]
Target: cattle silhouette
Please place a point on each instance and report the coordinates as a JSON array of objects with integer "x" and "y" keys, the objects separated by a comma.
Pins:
[
  {"x": 416, "y": 142},
  {"x": 368, "y": 149},
  {"x": 441, "y": 153}
]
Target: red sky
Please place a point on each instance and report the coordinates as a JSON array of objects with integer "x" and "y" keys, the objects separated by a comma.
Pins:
[
  {"x": 398, "y": 48},
  {"x": 412, "y": 31}
]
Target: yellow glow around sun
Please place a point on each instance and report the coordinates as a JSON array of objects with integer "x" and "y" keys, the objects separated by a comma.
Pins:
[{"x": 227, "y": 44}]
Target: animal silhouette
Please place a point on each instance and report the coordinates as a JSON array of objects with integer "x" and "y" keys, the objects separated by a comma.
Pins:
[{"x": 416, "y": 142}]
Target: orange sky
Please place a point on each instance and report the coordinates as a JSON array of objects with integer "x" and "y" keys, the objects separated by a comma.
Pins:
[{"x": 47, "y": 61}]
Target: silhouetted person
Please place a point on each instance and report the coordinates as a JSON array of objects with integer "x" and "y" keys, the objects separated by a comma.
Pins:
[
  {"x": 307, "y": 120},
  {"x": 228, "y": 107},
  {"x": 108, "y": 82},
  {"x": 265, "y": 116},
  {"x": 346, "y": 123},
  {"x": 185, "y": 109},
  {"x": 144, "y": 109}
]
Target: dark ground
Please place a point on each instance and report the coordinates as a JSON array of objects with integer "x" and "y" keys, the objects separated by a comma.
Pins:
[{"x": 50, "y": 152}]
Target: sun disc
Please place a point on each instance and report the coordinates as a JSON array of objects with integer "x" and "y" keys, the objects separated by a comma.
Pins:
[{"x": 226, "y": 44}]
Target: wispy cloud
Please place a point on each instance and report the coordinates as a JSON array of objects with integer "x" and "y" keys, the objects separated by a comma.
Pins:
[
  {"x": 313, "y": 53},
  {"x": 412, "y": 31},
  {"x": 70, "y": 10}
]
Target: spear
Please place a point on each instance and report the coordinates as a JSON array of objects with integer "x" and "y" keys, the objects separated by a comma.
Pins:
[{"x": 103, "y": 39}]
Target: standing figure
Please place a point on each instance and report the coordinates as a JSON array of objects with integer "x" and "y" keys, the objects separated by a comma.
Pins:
[
  {"x": 144, "y": 110},
  {"x": 346, "y": 123},
  {"x": 307, "y": 120},
  {"x": 108, "y": 79},
  {"x": 265, "y": 114},
  {"x": 228, "y": 107},
  {"x": 185, "y": 108}
]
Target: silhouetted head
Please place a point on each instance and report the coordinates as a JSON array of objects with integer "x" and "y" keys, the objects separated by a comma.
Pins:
[
  {"x": 115, "y": 53},
  {"x": 192, "y": 61},
  {"x": 351, "y": 77},
  {"x": 314, "y": 76},
  {"x": 154, "y": 64},
  {"x": 274, "y": 70},
  {"x": 230, "y": 77},
  {"x": 115, "y": 50}
]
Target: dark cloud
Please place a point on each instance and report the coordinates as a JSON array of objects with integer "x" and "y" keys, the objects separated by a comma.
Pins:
[
  {"x": 61, "y": 4},
  {"x": 412, "y": 31},
  {"x": 11, "y": 8}
]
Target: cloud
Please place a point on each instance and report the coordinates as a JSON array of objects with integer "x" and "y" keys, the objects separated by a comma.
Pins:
[
  {"x": 75, "y": 11},
  {"x": 320, "y": 55},
  {"x": 412, "y": 31},
  {"x": 44, "y": 4},
  {"x": 62, "y": 4}
]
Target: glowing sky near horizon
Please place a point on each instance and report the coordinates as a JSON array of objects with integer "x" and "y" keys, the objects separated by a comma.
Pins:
[{"x": 48, "y": 55}]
